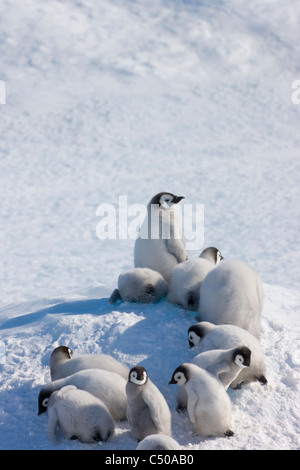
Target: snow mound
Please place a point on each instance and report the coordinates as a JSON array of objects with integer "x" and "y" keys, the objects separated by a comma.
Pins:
[{"x": 155, "y": 336}]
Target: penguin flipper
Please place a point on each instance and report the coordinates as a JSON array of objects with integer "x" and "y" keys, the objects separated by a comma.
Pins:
[
  {"x": 217, "y": 369},
  {"x": 192, "y": 403},
  {"x": 52, "y": 424},
  {"x": 154, "y": 410},
  {"x": 177, "y": 248}
]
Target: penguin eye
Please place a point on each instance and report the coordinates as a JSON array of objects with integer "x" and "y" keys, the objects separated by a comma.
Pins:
[{"x": 45, "y": 402}]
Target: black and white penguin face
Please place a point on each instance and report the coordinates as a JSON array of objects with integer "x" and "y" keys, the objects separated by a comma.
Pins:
[
  {"x": 166, "y": 200},
  {"x": 242, "y": 357},
  {"x": 180, "y": 376},
  {"x": 43, "y": 401},
  {"x": 219, "y": 257},
  {"x": 63, "y": 351},
  {"x": 138, "y": 375},
  {"x": 194, "y": 335},
  {"x": 212, "y": 254}
]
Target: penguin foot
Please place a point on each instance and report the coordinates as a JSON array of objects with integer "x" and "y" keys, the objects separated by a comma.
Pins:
[
  {"x": 229, "y": 433},
  {"x": 180, "y": 409},
  {"x": 262, "y": 379},
  {"x": 238, "y": 386},
  {"x": 97, "y": 437}
]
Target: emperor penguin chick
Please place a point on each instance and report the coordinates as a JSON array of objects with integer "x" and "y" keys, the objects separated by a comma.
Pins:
[
  {"x": 208, "y": 404},
  {"x": 63, "y": 364},
  {"x": 158, "y": 442},
  {"x": 79, "y": 415},
  {"x": 206, "y": 336},
  {"x": 147, "y": 409},
  {"x": 160, "y": 245},
  {"x": 140, "y": 285},
  {"x": 109, "y": 387},
  {"x": 232, "y": 294},
  {"x": 187, "y": 277},
  {"x": 225, "y": 364}
]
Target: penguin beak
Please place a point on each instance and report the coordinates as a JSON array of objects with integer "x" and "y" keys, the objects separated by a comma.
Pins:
[
  {"x": 172, "y": 381},
  {"x": 177, "y": 199},
  {"x": 191, "y": 344}
]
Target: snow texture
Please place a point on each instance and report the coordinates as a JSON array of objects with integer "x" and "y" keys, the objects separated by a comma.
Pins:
[{"x": 129, "y": 98}]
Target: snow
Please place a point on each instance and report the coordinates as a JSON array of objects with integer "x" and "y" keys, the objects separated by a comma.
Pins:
[{"x": 129, "y": 98}]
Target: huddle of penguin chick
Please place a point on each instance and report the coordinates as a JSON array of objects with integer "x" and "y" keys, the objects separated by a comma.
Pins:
[
  {"x": 89, "y": 393},
  {"x": 228, "y": 297}
]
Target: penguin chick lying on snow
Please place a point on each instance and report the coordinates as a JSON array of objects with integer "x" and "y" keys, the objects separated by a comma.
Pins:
[
  {"x": 140, "y": 285},
  {"x": 225, "y": 364},
  {"x": 63, "y": 364},
  {"x": 208, "y": 404},
  {"x": 148, "y": 412},
  {"x": 207, "y": 336},
  {"x": 158, "y": 442},
  {"x": 160, "y": 245},
  {"x": 79, "y": 415},
  {"x": 184, "y": 288},
  {"x": 107, "y": 386},
  {"x": 232, "y": 294}
]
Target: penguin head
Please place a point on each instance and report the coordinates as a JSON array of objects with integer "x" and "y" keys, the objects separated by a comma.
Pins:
[
  {"x": 242, "y": 356},
  {"x": 43, "y": 401},
  {"x": 195, "y": 333},
  {"x": 63, "y": 352},
  {"x": 180, "y": 375},
  {"x": 212, "y": 254},
  {"x": 165, "y": 200},
  {"x": 138, "y": 375}
]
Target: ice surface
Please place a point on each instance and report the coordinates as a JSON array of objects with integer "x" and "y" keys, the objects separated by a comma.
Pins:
[{"x": 131, "y": 98}]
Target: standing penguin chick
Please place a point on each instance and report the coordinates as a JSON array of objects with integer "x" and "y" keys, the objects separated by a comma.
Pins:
[
  {"x": 158, "y": 442},
  {"x": 147, "y": 409},
  {"x": 109, "y": 387},
  {"x": 208, "y": 404},
  {"x": 140, "y": 285},
  {"x": 206, "y": 336},
  {"x": 232, "y": 294},
  {"x": 160, "y": 245},
  {"x": 187, "y": 277},
  {"x": 79, "y": 415},
  {"x": 63, "y": 364}
]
